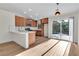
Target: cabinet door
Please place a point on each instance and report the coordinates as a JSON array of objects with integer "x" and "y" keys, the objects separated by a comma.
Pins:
[
  {"x": 19, "y": 21},
  {"x": 44, "y": 20},
  {"x": 22, "y": 21},
  {"x": 26, "y": 22},
  {"x": 33, "y": 23},
  {"x": 32, "y": 37},
  {"x": 38, "y": 33}
]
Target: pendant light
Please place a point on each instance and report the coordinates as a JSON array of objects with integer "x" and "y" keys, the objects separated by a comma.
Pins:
[{"x": 57, "y": 10}]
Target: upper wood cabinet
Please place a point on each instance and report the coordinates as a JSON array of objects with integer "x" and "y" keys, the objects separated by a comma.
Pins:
[
  {"x": 21, "y": 21},
  {"x": 27, "y": 22},
  {"x": 44, "y": 20},
  {"x": 33, "y": 23}
]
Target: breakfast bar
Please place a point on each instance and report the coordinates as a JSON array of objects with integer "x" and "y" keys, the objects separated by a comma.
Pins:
[{"x": 24, "y": 39}]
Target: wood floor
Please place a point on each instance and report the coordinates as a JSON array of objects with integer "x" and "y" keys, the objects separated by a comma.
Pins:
[
  {"x": 39, "y": 40},
  {"x": 40, "y": 49},
  {"x": 11, "y": 48},
  {"x": 74, "y": 50},
  {"x": 43, "y": 47}
]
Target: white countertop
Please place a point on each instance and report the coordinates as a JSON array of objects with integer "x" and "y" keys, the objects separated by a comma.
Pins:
[{"x": 23, "y": 32}]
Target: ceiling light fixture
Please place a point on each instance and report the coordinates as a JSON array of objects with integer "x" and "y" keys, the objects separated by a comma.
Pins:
[{"x": 57, "y": 10}]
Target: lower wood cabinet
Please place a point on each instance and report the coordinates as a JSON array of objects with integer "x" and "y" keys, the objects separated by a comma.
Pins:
[
  {"x": 32, "y": 37},
  {"x": 38, "y": 33}
]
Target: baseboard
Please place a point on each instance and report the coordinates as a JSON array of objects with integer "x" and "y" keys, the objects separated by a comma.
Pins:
[{"x": 6, "y": 42}]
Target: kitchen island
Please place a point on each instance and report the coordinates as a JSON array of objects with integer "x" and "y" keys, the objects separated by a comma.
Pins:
[{"x": 24, "y": 38}]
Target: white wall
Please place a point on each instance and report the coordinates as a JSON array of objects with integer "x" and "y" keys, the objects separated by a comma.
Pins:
[
  {"x": 75, "y": 25},
  {"x": 5, "y": 17},
  {"x": 78, "y": 30}
]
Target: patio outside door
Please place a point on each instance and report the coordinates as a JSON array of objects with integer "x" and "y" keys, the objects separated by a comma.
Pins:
[{"x": 63, "y": 29}]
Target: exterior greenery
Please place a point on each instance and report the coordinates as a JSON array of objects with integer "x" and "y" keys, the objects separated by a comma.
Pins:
[
  {"x": 56, "y": 27},
  {"x": 64, "y": 25}
]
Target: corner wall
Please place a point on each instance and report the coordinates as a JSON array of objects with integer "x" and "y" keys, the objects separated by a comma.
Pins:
[{"x": 5, "y": 18}]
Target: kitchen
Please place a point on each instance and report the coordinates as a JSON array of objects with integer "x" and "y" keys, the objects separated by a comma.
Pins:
[{"x": 25, "y": 30}]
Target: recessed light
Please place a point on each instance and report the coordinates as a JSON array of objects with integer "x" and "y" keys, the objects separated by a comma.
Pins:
[
  {"x": 25, "y": 12},
  {"x": 31, "y": 16},
  {"x": 30, "y": 9}
]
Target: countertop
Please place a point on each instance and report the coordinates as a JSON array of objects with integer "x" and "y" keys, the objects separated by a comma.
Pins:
[{"x": 23, "y": 32}]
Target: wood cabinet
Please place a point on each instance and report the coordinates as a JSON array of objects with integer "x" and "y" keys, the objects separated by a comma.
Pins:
[
  {"x": 44, "y": 20},
  {"x": 38, "y": 33},
  {"x": 32, "y": 37},
  {"x": 41, "y": 32},
  {"x": 27, "y": 22},
  {"x": 33, "y": 23},
  {"x": 21, "y": 21}
]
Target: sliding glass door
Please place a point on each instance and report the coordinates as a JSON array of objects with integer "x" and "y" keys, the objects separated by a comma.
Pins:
[
  {"x": 61, "y": 30},
  {"x": 56, "y": 27},
  {"x": 65, "y": 27}
]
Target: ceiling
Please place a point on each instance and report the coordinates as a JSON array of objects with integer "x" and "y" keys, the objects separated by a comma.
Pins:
[{"x": 39, "y": 10}]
